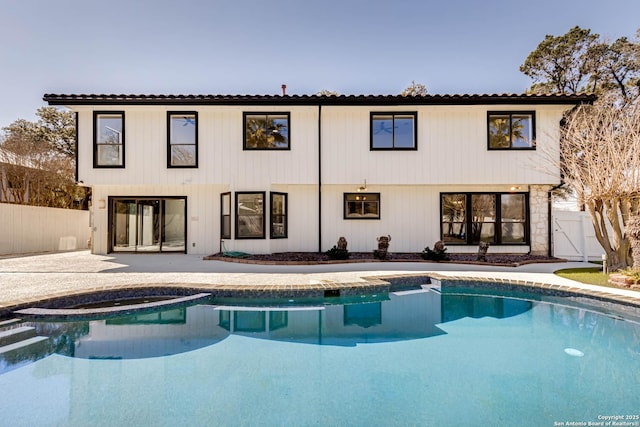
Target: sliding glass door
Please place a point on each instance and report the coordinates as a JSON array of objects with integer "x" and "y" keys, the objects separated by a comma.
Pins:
[{"x": 148, "y": 224}]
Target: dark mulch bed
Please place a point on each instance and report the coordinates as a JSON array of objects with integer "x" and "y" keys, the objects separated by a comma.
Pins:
[{"x": 321, "y": 257}]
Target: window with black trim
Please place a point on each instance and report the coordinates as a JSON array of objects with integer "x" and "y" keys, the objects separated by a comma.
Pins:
[
  {"x": 225, "y": 215},
  {"x": 278, "y": 204},
  {"x": 498, "y": 218},
  {"x": 182, "y": 139},
  {"x": 250, "y": 215},
  {"x": 361, "y": 205},
  {"x": 511, "y": 130},
  {"x": 266, "y": 131},
  {"x": 393, "y": 131},
  {"x": 108, "y": 139}
]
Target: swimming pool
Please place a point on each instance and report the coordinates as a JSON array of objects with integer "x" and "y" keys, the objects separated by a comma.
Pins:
[{"x": 418, "y": 357}]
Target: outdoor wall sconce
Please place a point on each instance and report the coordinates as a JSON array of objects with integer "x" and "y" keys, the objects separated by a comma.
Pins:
[{"x": 364, "y": 187}]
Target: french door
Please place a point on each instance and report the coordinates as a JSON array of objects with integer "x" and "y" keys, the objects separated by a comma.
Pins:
[{"x": 148, "y": 224}]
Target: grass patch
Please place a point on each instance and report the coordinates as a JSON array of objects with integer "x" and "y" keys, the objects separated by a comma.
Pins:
[{"x": 590, "y": 276}]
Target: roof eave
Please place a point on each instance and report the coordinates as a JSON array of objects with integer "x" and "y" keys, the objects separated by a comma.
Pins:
[{"x": 309, "y": 100}]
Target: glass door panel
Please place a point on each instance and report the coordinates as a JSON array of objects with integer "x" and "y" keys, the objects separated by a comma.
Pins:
[
  {"x": 148, "y": 226},
  {"x": 124, "y": 225},
  {"x": 173, "y": 222}
]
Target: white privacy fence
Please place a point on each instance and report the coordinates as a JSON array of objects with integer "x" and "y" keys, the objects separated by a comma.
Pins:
[
  {"x": 30, "y": 229},
  {"x": 574, "y": 238}
]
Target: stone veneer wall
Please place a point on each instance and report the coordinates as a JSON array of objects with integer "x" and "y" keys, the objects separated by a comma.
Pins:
[{"x": 539, "y": 215}]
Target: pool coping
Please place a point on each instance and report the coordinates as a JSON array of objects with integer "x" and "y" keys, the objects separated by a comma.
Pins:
[
  {"x": 369, "y": 284},
  {"x": 120, "y": 310}
]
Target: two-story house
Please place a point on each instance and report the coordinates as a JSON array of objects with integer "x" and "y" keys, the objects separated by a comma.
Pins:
[{"x": 180, "y": 173}]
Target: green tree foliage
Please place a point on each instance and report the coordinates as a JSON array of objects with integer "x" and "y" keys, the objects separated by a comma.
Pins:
[
  {"x": 600, "y": 144},
  {"x": 38, "y": 165},
  {"x": 414, "y": 89},
  {"x": 580, "y": 61},
  {"x": 327, "y": 92},
  {"x": 54, "y": 129}
]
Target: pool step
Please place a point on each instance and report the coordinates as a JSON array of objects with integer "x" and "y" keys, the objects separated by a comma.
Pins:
[
  {"x": 8, "y": 351},
  {"x": 14, "y": 335},
  {"x": 9, "y": 322}
]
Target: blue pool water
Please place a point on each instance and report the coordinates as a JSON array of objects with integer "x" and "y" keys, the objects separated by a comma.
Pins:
[{"x": 416, "y": 358}]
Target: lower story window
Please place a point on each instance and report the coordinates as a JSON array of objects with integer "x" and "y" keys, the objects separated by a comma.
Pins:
[
  {"x": 361, "y": 205},
  {"x": 148, "y": 224},
  {"x": 225, "y": 216},
  {"x": 278, "y": 215},
  {"x": 250, "y": 215},
  {"x": 470, "y": 218}
]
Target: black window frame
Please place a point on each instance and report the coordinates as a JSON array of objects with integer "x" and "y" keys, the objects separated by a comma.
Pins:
[
  {"x": 498, "y": 240},
  {"x": 96, "y": 115},
  {"x": 245, "y": 114},
  {"x": 272, "y": 215},
  {"x": 511, "y": 114},
  {"x": 414, "y": 114},
  {"x": 223, "y": 215},
  {"x": 344, "y": 206},
  {"x": 237, "y": 213},
  {"x": 112, "y": 227},
  {"x": 170, "y": 114}
]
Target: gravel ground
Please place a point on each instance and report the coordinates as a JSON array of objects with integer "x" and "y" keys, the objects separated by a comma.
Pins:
[{"x": 314, "y": 256}]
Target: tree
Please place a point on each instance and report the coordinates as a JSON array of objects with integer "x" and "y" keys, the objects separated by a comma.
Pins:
[
  {"x": 560, "y": 64},
  {"x": 600, "y": 152},
  {"x": 579, "y": 61},
  {"x": 414, "y": 89},
  {"x": 600, "y": 144},
  {"x": 327, "y": 92},
  {"x": 38, "y": 166},
  {"x": 54, "y": 128}
]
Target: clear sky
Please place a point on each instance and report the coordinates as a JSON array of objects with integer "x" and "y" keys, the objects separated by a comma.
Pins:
[{"x": 254, "y": 46}]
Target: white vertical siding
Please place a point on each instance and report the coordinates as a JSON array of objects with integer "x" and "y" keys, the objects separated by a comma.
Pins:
[
  {"x": 222, "y": 159},
  {"x": 452, "y": 155},
  {"x": 452, "y": 149}
]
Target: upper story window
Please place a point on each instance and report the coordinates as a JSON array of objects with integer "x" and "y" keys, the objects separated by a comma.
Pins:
[
  {"x": 393, "y": 131},
  {"x": 511, "y": 130},
  {"x": 182, "y": 139},
  {"x": 361, "y": 205},
  {"x": 266, "y": 131},
  {"x": 108, "y": 139}
]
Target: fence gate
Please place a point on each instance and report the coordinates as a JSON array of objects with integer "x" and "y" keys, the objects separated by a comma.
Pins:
[{"x": 574, "y": 238}]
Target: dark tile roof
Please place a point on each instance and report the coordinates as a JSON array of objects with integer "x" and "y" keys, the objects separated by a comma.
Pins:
[{"x": 463, "y": 99}]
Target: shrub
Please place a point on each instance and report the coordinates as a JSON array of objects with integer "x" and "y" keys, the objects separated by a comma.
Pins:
[
  {"x": 435, "y": 255},
  {"x": 336, "y": 253}
]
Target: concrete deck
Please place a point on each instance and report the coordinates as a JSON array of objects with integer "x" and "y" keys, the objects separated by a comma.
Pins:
[{"x": 27, "y": 280}]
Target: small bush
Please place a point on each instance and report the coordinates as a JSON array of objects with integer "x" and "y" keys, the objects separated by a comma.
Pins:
[
  {"x": 435, "y": 255},
  {"x": 338, "y": 254},
  {"x": 632, "y": 273}
]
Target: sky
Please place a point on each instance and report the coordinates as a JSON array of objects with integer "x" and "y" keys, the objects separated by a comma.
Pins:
[{"x": 255, "y": 46}]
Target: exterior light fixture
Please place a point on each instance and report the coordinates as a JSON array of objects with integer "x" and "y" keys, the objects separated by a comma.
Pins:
[
  {"x": 364, "y": 187},
  {"x": 515, "y": 187}
]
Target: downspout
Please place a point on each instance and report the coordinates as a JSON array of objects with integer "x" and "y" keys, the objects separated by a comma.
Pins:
[
  {"x": 75, "y": 145},
  {"x": 549, "y": 231},
  {"x": 319, "y": 178}
]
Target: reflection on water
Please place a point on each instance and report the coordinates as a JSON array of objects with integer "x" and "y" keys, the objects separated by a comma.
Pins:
[{"x": 404, "y": 316}]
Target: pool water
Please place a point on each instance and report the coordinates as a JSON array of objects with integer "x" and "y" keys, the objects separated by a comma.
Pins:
[{"x": 418, "y": 358}]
